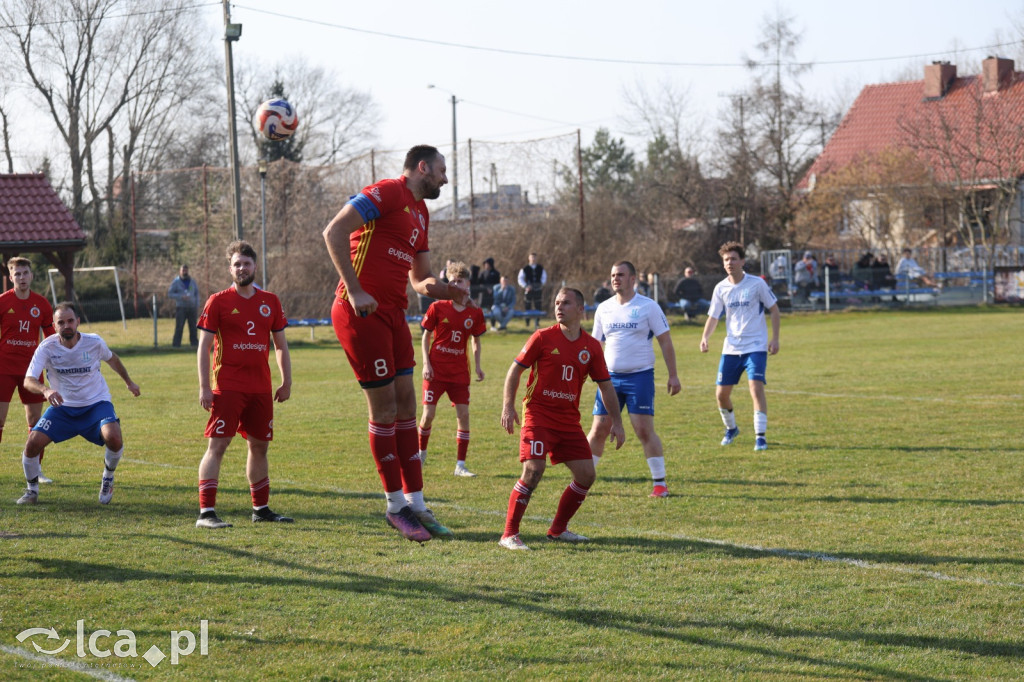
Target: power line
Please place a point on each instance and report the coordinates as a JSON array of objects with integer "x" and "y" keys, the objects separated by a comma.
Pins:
[{"x": 608, "y": 60}]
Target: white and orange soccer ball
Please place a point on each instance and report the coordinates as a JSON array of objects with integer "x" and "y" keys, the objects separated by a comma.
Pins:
[{"x": 276, "y": 119}]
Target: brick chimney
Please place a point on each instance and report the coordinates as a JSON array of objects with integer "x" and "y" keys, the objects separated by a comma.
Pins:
[
  {"x": 937, "y": 77},
  {"x": 996, "y": 73}
]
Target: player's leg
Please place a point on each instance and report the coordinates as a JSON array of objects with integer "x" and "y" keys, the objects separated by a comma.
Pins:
[
  {"x": 729, "y": 370},
  {"x": 33, "y": 411},
  {"x": 643, "y": 427},
  {"x": 4, "y": 409},
  {"x": 110, "y": 431},
  {"x": 430, "y": 399},
  {"x": 574, "y": 450},
  {"x": 257, "y": 472},
  {"x": 756, "y": 365},
  {"x": 533, "y": 471},
  {"x": 600, "y": 428},
  {"x": 209, "y": 477},
  {"x": 258, "y": 418},
  {"x": 462, "y": 439},
  {"x": 407, "y": 448},
  {"x": 30, "y": 465}
]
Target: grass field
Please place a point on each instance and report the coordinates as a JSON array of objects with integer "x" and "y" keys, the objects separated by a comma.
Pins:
[{"x": 880, "y": 536}]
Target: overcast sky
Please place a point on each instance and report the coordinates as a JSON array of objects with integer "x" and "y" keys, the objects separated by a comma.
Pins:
[{"x": 534, "y": 69}]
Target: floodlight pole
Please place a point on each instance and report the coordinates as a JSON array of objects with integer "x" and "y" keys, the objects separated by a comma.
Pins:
[{"x": 232, "y": 32}]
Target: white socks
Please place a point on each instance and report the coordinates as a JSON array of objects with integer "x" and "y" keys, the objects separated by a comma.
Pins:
[
  {"x": 32, "y": 468},
  {"x": 111, "y": 458},
  {"x": 728, "y": 418},
  {"x": 760, "y": 423},
  {"x": 396, "y": 501},
  {"x": 657, "y": 467},
  {"x": 415, "y": 501}
]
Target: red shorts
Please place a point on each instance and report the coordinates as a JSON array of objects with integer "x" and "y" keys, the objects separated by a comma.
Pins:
[
  {"x": 433, "y": 390},
  {"x": 378, "y": 346},
  {"x": 9, "y": 382},
  {"x": 563, "y": 446},
  {"x": 243, "y": 413}
]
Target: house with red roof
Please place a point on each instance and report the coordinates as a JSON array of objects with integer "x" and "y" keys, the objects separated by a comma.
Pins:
[
  {"x": 956, "y": 144},
  {"x": 33, "y": 219}
]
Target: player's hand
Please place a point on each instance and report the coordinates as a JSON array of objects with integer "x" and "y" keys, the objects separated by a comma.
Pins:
[
  {"x": 773, "y": 347},
  {"x": 55, "y": 398},
  {"x": 206, "y": 398},
  {"x": 362, "y": 303},
  {"x": 619, "y": 434},
  {"x": 703, "y": 345},
  {"x": 479, "y": 374},
  {"x": 674, "y": 386},
  {"x": 133, "y": 388},
  {"x": 428, "y": 372},
  {"x": 283, "y": 392},
  {"x": 509, "y": 418}
]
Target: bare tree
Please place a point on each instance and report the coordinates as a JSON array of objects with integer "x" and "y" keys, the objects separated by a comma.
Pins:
[{"x": 87, "y": 60}]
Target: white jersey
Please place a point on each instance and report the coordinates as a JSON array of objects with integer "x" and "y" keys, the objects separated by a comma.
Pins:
[
  {"x": 73, "y": 372},
  {"x": 626, "y": 330},
  {"x": 743, "y": 307}
]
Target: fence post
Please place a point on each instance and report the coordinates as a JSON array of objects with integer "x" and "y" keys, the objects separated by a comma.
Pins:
[
  {"x": 154, "y": 321},
  {"x": 828, "y": 292}
]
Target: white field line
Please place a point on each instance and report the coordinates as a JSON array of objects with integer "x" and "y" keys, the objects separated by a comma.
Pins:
[
  {"x": 93, "y": 671},
  {"x": 875, "y": 397},
  {"x": 772, "y": 551}
]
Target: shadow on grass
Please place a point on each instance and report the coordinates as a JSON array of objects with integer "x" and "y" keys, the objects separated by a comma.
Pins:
[
  {"x": 869, "y": 499},
  {"x": 681, "y": 545},
  {"x": 531, "y": 604}
]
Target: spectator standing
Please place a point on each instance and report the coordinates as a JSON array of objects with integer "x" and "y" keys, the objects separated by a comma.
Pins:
[
  {"x": 805, "y": 277},
  {"x": 690, "y": 295},
  {"x": 603, "y": 293},
  {"x": 487, "y": 279},
  {"x": 504, "y": 295},
  {"x": 532, "y": 278},
  {"x": 185, "y": 293}
]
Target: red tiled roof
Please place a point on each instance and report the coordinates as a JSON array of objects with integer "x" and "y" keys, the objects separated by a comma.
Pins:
[
  {"x": 897, "y": 115},
  {"x": 31, "y": 213}
]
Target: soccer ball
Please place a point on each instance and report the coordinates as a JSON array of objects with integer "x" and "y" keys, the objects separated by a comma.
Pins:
[{"x": 276, "y": 119}]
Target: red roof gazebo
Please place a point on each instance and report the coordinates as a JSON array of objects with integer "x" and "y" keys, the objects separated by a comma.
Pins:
[{"x": 33, "y": 219}]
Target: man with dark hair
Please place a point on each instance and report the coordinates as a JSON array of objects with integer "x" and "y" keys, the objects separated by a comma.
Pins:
[
  {"x": 690, "y": 295},
  {"x": 742, "y": 299},
  {"x": 185, "y": 293},
  {"x": 78, "y": 398},
  {"x": 560, "y": 359},
  {"x": 378, "y": 243},
  {"x": 237, "y": 325},
  {"x": 23, "y": 314}
]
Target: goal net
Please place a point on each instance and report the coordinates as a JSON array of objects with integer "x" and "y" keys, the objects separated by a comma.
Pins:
[{"x": 100, "y": 269}]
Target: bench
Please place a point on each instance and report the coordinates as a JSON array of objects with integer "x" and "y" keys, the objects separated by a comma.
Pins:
[{"x": 314, "y": 322}]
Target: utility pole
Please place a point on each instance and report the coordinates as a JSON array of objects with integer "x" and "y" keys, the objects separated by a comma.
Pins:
[{"x": 232, "y": 32}]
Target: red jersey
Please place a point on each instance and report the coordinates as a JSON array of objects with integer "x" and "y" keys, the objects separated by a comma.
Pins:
[
  {"x": 20, "y": 322},
  {"x": 243, "y": 328},
  {"x": 452, "y": 329},
  {"x": 558, "y": 369},
  {"x": 383, "y": 249}
]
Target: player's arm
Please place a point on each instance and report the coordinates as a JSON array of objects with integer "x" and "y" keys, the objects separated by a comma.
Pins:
[
  {"x": 428, "y": 369},
  {"x": 668, "y": 352},
  {"x": 203, "y": 358},
  {"x": 336, "y": 236},
  {"x": 709, "y": 329},
  {"x": 118, "y": 366},
  {"x": 426, "y": 283},
  {"x": 509, "y": 416},
  {"x": 773, "y": 344},
  {"x": 611, "y": 404},
  {"x": 284, "y": 363},
  {"x": 476, "y": 358}
]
